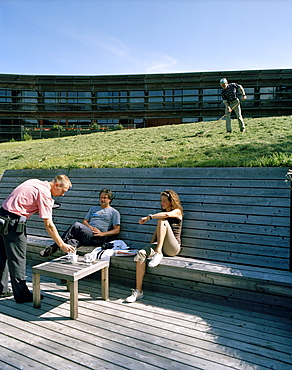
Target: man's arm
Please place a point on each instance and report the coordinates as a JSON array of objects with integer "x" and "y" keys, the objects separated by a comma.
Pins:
[
  {"x": 244, "y": 97},
  {"x": 53, "y": 232},
  {"x": 85, "y": 222},
  {"x": 96, "y": 232},
  {"x": 116, "y": 230}
]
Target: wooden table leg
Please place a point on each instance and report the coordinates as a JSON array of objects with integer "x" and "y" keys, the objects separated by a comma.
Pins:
[
  {"x": 36, "y": 284},
  {"x": 74, "y": 299},
  {"x": 104, "y": 283}
]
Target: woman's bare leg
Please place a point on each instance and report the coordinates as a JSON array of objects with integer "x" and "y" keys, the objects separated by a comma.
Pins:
[
  {"x": 140, "y": 272},
  {"x": 161, "y": 231}
]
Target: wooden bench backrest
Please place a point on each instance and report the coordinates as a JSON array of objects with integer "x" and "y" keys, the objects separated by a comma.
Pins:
[{"x": 235, "y": 215}]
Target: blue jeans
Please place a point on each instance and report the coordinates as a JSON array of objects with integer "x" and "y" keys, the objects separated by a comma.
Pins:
[{"x": 79, "y": 234}]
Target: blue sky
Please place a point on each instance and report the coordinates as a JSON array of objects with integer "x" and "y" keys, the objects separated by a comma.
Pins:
[{"x": 97, "y": 37}]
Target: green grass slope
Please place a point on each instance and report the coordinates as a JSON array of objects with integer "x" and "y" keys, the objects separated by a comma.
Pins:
[{"x": 267, "y": 142}]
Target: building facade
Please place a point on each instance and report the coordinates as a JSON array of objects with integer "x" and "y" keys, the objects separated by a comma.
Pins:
[{"x": 137, "y": 100}]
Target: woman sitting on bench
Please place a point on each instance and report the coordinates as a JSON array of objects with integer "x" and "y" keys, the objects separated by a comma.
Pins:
[{"x": 165, "y": 240}]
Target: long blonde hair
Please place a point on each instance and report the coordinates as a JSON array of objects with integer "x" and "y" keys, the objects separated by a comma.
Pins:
[{"x": 173, "y": 198}]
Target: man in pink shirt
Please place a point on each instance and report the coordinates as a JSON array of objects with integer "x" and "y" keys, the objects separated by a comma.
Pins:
[{"x": 32, "y": 196}]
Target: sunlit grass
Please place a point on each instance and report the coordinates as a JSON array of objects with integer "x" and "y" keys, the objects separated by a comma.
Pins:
[{"x": 266, "y": 142}]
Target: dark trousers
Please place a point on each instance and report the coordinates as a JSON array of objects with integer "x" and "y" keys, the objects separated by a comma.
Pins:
[
  {"x": 13, "y": 258},
  {"x": 79, "y": 234}
]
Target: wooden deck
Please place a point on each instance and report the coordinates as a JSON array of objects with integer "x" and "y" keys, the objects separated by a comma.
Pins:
[{"x": 157, "y": 332}]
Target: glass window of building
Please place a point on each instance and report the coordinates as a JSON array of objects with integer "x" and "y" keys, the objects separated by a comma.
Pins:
[
  {"x": 137, "y": 93},
  {"x": 267, "y": 96},
  {"x": 190, "y": 95},
  {"x": 155, "y": 93},
  {"x": 101, "y": 93},
  {"x": 249, "y": 92},
  {"x": 114, "y": 93},
  {"x": 30, "y": 100},
  {"x": 190, "y": 92},
  {"x": 5, "y": 93},
  {"x": 84, "y": 94},
  {"x": 136, "y": 100},
  {"x": 102, "y": 100},
  {"x": 155, "y": 102},
  {"x": 211, "y": 94},
  {"x": 49, "y": 94},
  {"x": 136, "y": 103},
  {"x": 267, "y": 93},
  {"x": 155, "y": 99},
  {"x": 5, "y": 96},
  {"x": 30, "y": 93}
]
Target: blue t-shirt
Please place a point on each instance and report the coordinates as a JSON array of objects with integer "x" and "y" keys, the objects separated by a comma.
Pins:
[{"x": 103, "y": 218}]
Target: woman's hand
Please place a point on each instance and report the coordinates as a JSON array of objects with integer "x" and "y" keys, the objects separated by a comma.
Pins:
[{"x": 143, "y": 220}]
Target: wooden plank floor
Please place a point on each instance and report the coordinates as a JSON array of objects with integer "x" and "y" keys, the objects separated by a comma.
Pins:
[{"x": 157, "y": 332}]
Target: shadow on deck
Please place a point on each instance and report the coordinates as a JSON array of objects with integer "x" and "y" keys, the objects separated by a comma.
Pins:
[{"x": 159, "y": 332}]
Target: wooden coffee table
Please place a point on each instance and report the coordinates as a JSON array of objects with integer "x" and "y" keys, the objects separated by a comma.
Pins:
[{"x": 61, "y": 268}]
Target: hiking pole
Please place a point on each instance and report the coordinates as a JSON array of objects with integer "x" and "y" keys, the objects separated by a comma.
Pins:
[{"x": 214, "y": 124}]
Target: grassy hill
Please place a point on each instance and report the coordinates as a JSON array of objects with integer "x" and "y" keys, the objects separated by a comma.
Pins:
[{"x": 266, "y": 142}]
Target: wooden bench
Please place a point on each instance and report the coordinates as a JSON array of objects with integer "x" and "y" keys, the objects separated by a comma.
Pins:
[{"x": 236, "y": 230}]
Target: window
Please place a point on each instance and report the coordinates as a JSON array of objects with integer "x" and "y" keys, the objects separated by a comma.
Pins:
[
  {"x": 268, "y": 96},
  {"x": 137, "y": 93},
  {"x": 190, "y": 95},
  {"x": 30, "y": 100},
  {"x": 155, "y": 102},
  {"x": 67, "y": 100},
  {"x": 102, "y": 93},
  {"x": 211, "y": 95},
  {"x": 5, "y": 93},
  {"x": 136, "y": 103},
  {"x": 137, "y": 96},
  {"x": 5, "y": 97},
  {"x": 155, "y": 93},
  {"x": 267, "y": 93},
  {"x": 156, "y": 99},
  {"x": 29, "y": 93}
]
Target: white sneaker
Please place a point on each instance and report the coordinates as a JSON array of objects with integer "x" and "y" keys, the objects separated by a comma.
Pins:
[
  {"x": 134, "y": 296},
  {"x": 90, "y": 257},
  {"x": 156, "y": 259}
]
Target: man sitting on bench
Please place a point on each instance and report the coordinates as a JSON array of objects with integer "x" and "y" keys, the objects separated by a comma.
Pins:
[{"x": 98, "y": 227}]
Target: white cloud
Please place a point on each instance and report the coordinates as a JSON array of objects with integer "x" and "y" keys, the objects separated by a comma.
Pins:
[{"x": 161, "y": 63}]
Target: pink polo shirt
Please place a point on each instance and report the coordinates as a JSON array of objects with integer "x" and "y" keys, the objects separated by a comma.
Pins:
[{"x": 32, "y": 196}]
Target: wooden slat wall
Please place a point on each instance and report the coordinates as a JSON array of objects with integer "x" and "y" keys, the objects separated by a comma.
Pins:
[{"x": 235, "y": 215}]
